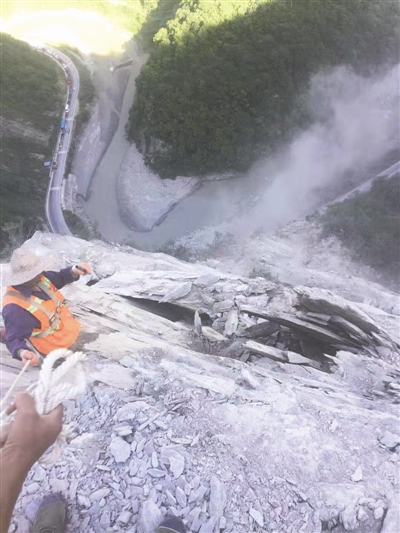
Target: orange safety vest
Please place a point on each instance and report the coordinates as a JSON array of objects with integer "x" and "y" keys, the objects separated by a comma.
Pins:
[{"x": 58, "y": 328}]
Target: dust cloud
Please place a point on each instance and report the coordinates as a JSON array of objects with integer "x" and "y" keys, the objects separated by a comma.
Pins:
[{"x": 355, "y": 124}]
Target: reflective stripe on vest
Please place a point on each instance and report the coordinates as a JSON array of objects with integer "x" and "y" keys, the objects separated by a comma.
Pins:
[
  {"x": 58, "y": 328},
  {"x": 35, "y": 303}
]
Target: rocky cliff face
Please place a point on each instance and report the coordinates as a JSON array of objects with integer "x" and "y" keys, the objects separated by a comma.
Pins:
[{"x": 240, "y": 404}]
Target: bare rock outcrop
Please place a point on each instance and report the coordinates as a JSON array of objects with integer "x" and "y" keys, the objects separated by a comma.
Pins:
[
  {"x": 157, "y": 196},
  {"x": 284, "y": 421}
]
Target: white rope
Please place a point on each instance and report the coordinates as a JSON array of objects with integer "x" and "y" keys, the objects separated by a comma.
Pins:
[
  {"x": 11, "y": 389},
  {"x": 55, "y": 385}
]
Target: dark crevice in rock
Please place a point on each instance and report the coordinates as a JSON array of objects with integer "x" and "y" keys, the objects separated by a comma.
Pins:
[{"x": 172, "y": 312}]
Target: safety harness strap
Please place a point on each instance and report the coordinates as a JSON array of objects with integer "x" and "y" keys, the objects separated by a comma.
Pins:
[
  {"x": 49, "y": 293},
  {"x": 45, "y": 333},
  {"x": 30, "y": 301}
]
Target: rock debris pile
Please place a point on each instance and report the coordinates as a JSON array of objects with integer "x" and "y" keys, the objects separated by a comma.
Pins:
[{"x": 238, "y": 404}]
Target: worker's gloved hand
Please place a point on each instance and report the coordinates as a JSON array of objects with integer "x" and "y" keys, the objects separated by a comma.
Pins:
[
  {"x": 81, "y": 270},
  {"x": 26, "y": 355}
]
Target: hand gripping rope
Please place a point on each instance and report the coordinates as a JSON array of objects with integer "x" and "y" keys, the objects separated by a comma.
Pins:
[{"x": 65, "y": 382}]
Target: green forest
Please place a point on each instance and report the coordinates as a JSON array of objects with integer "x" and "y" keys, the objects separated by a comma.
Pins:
[
  {"x": 33, "y": 89},
  {"x": 369, "y": 225},
  {"x": 225, "y": 81},
  {"x": 29, "y": 84}
]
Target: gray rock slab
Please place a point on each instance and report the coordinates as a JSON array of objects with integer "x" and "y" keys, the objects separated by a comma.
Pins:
[
  {"x": 32, "y": 508},
  {"x": 297, "y": 359},
  {"x": 231, "y": 323},
  {"x": 84, "y": 501},
  {"x": 206, "y": 280},
  {"x": 178, "y": 291},
  {"x": 32, "y": 488},
  {"x": 124, "y": 518},
  {"x": 223, "y": 307},
  {"x": 156, "y": 472},
  {"x": 354, "y": 331},
  {"x": 120, "y": 449},
  {"x": 391, "y": 523},
  {"x": 180, "y": 497},
  {"x": 325, "y": 302},
  {"x": 217, "y": 497},
  {"x": 150, "y": 516},
  {"x": 318, "y": 332},
  {"x": 196, "y": 525},
  {"x": 378, "y": 513},
  {"x": 257, "y": 516},
  {"x": 99, "y": 494},
  {"x": 176, "y": 464},
  {"x": 198, "y": 495},
  {"x": 170, "y": 497},
  {"x": 390, "y": 440},
  {"x": 193, "y": 514},
  {"x": 357, "y": 475},
  {"x": 40, "y": 473},
  {"x": 348, "y": 518},
  {"x": 235, "y": 350},
  {"x": 266, "y": 351},
  {"x": 209, "y": 526},
  {"x": 265, "y": 329},
  {"x": 105, "y": 519},
  {"x": 127, "y": 361},
  {"x": 247, "y": 378},
  {"x": 212, "y": 335},
  {"x": 154, "y": 459}
]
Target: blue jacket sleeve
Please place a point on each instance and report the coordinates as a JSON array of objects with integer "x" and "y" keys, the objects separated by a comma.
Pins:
[
  {"x": 19, "y": 325},
  {"x": 61, "y": 278}
]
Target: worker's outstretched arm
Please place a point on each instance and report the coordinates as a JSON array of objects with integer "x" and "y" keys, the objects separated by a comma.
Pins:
[
  {"x": 29, "y": 437},
  {"x": 68, "y": 275}
]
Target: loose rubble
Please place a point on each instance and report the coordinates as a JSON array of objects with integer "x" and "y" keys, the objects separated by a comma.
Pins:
[{"x": 236, "y": 404}]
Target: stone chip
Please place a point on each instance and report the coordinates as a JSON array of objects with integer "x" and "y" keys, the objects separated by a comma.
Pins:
[
  {"x": 257, "y": 516},
  {"x": 150, "y": 517},
  {"x": 120, "y": 449}
]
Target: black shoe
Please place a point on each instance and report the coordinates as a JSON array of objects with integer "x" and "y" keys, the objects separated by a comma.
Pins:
[
  {"x": 171, "y": 524},
  {"x": 51, "y": 515}
]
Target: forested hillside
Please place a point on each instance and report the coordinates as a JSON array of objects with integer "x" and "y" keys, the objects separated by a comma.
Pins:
[
  {"x": 369, "y": 225},
  {"x": 32, "y": 96},
  {"x": 225, "y": 81}
]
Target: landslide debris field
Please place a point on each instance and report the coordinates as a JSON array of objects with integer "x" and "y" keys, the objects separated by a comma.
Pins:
[{"x": 240, "y": 404}]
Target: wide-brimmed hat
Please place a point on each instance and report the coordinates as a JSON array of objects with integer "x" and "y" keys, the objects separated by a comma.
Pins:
[{"x": 24, "y": 266}]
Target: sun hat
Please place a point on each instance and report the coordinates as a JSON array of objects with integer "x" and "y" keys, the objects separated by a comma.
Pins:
[{"x": 24, "y": 266}]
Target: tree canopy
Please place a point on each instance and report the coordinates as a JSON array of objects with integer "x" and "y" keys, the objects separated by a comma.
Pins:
[
  {"x": 33, "y": 89},
  {"x": 224, "y": 82},
  {"x": 29, "y": 84}
]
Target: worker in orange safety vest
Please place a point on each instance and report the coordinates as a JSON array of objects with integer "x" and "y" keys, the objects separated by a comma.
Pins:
[{"x": 36, "y": 318}]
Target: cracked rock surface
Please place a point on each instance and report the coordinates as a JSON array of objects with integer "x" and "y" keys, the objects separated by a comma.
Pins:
[{"x": 263, "y": 426}]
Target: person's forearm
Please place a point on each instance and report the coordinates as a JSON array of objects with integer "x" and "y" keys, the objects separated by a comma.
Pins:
[
  {"x": 14, "y": 468},
  {"x": 61, "y": 278},
  {"x": 17, "y": 353},
  {"x": 16, "y": 345}
]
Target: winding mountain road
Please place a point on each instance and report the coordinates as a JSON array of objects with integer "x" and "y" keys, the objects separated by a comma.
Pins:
[{"x": 54, "y": 212}]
